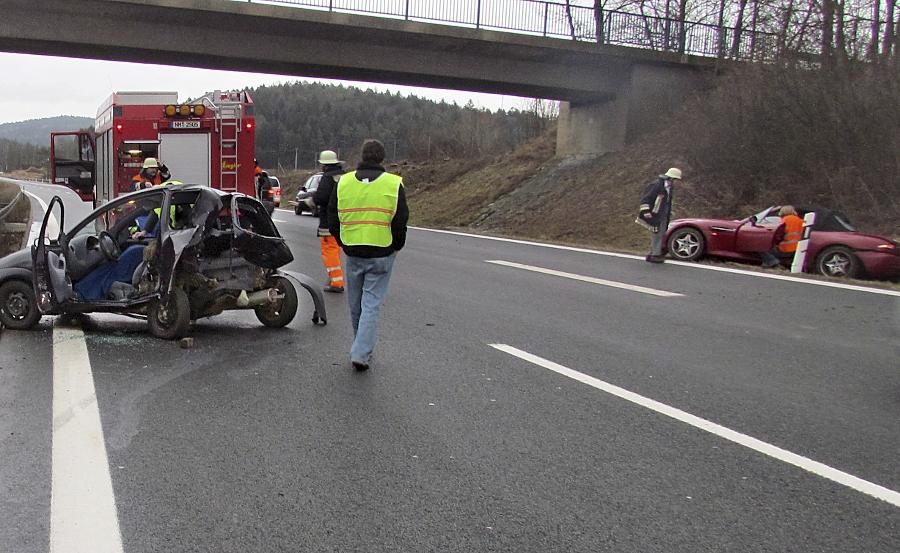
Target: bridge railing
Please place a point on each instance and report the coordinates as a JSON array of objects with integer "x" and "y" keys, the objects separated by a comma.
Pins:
[{"x": 557, "y": 20}]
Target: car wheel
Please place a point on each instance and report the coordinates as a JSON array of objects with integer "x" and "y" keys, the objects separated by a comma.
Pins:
[
  {"x": 687, "y": 244},
  {"x": 838, "y": 261},
  {"x": 172, "y": 320},
  {"x": 18, "y": 310},
  {"x": 280, "y": 313}
]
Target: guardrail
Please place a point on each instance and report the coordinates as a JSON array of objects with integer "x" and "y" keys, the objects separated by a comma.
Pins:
[
  {"x": 557, "y": 20},
  {"x": 13, "y": 234}
]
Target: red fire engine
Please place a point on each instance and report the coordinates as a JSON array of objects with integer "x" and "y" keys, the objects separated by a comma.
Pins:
[{"x": 208, "y": 141}]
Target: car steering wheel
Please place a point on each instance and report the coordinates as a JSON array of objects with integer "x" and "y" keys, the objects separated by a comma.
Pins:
[{"x": 109, "y": 247}]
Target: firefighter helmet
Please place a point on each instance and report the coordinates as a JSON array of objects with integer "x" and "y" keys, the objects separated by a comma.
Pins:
[{"x": 151, "y": 162}]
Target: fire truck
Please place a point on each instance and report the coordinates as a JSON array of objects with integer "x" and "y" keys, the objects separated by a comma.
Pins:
[{"x": 208, "y": 141}]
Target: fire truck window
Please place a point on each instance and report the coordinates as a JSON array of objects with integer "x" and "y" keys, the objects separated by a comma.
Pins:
[
  {"x": 66, "y": 147},
  {"x": 87, "y": 152}
]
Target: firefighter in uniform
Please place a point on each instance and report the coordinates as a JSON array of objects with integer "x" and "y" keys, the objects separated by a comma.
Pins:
[
  {"x": 152, "y": 174},
  {"x": 367, "y": 215},
  {"x": 793, "y": 233},
  {"x": 332, "y": 169}
]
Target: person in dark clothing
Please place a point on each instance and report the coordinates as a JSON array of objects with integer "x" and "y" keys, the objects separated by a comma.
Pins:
[
  {"x": 655, "y": 211},
  {"x": 332, "y": 169},
  {"x": 367, "y": 215}
]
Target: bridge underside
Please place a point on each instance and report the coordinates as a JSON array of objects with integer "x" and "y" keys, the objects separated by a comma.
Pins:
[{"x": 305, "y": 43}]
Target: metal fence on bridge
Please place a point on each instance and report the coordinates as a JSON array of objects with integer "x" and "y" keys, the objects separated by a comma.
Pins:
[{"x": 557, "y": 20}]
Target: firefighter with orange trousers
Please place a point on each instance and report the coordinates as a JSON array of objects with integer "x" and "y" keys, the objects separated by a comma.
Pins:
[
  {"x": 332, "y": 169},
  {"x": 793, "y": 233},
  {"x": 152, "y": 174}
]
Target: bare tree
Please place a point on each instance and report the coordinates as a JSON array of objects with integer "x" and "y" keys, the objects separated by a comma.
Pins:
[
  {"x": 889, "y": 29},
  {"x": 598, "y": 20},
  {"x": 569, "y": 19}
]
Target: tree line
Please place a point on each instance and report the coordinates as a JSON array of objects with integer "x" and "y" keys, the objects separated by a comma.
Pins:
[
  {"x": 780, "y": 29},
  {"x": 297, "y": 120},
  {"x": 18, "y": 155}
]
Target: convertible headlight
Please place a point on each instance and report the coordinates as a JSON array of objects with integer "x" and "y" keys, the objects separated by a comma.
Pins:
[{"x": 886, "y": 246}]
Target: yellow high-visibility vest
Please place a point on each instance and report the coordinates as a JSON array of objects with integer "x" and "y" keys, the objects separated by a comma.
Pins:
[{"x": 366, "y": 209}]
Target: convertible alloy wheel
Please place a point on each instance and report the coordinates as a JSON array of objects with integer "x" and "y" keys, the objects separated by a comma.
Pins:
[
  {"x": 686, "y": 244},
  {"x": 838, "y": 261}
]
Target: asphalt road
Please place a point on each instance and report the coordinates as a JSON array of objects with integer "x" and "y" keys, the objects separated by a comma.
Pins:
[{"x": 261, "y": 440}]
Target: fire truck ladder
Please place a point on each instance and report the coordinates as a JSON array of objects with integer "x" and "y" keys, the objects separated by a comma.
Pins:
[{"x": 229, "y": 116}]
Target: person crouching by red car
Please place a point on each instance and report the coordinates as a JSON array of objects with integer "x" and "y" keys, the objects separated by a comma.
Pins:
[{"x": 793, "y": 233}]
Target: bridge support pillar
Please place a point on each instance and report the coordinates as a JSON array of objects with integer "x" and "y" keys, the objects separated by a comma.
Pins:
[{"x": 641, "y": 104}]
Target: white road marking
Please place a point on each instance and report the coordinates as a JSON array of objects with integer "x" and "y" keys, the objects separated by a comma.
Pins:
[
  {"x": 83, "y": 515},
  {"x": 592, "y": 280},
  {"x": 52, "y": 225},
  {"x": 770, "y": 450},
  {"x": 679, "y": 263}
]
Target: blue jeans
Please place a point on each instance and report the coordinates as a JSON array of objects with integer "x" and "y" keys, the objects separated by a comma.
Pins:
[{"x": 367, "y": 285}]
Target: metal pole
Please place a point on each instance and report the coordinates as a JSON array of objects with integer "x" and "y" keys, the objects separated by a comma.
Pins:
[
  {"x": 546, "y": 10},
  {"x": 406, "y": 15},
  {"x": 478, "y": 16},
  {"x": 330, "y": 5}
]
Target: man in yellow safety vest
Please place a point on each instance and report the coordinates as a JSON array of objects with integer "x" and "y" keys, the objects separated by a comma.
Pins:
[{"x": 367, "y": 215}]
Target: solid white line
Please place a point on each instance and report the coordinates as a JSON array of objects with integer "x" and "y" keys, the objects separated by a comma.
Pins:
[
  {"x": 52, "y": 225},
  {"x": 668, "y": 262},
  {"x": 83, "y": 515},
  {"x": 592, "y": 280},
  {"x": 775, "y": 452}
]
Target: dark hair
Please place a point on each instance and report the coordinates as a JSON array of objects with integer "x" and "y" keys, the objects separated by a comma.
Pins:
[{"x": 372, "y": 151}]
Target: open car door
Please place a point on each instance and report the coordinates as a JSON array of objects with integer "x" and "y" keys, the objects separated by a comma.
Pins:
[
  {"x": 52, "y": 286},
  {"x": 73, "y": 162},
  {"x": 755, "y": 237}
]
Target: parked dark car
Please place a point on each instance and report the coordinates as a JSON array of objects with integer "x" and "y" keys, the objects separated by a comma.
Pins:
[
  {"x": 835, "y": 247},
  {"x": 304, "y": 200},
  {"x": 206, "y": 251}
]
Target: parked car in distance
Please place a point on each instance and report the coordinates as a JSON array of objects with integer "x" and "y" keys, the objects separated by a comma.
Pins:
[
  {"x": 835, "y": 247},
  {"x": 304, "y": 200}
]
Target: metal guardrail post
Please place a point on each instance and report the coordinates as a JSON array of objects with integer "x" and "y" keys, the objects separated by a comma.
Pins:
[
  {"x": 546, "y": 16},
  {"x": 478, "y": 16},
  {"x": 406, "y": 13}
]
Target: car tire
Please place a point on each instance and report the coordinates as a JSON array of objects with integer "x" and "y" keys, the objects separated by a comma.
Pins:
[
  {"x": 279, "y": 314},
  {"x": 298, "y": 210},
  {"x": 687, "y": 244},
  {"x": 838, "y": 261},
  {"x": 18, "y": 309},
  {"x": 173, "y": 320}
]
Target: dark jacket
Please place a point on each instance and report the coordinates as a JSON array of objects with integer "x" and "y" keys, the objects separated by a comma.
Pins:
[
  {"x": 656, "y": 205},
  {"x": 322, "y": 197},
  {"x": 398, "y": 224}
]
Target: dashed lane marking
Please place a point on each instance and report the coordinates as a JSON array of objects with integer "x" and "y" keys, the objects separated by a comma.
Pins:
[
  {"x": 592, "y": 280},
  {"x": 678, "y": 263},
  {"x": 835, "y": 475},
  {"x": 83, "y": 515}
]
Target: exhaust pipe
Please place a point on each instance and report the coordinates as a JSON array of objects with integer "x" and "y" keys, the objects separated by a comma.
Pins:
[{"x": 260, "y": 297}]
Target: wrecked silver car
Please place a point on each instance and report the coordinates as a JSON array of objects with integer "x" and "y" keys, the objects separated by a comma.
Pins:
[{"x": 170, "y": 255}]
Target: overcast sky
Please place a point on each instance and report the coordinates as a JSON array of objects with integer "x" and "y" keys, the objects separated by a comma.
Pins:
[{"x": 43, "y": 86}]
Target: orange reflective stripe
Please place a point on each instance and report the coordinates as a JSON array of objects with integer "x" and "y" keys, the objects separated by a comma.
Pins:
[{"x": 359, "y": 209}]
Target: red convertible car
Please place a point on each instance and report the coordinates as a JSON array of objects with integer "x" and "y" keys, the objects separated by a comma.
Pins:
[{"x": 835, "y": 248}]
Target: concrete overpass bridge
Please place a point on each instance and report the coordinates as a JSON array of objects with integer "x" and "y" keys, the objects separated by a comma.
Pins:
[{"x": 610, "y": 92}]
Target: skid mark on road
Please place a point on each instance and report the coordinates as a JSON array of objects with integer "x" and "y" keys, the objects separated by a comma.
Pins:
[
  {"x": 592, "y": 280},
  {"x": 83, "y": 515},
  {"x": 835, "y": 475}
]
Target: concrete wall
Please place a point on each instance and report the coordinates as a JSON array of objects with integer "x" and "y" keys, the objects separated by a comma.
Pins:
[{"x": 641, "y": 103}]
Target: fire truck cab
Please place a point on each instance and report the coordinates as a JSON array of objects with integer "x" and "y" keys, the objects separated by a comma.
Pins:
[{"x": 208, "y": 141}]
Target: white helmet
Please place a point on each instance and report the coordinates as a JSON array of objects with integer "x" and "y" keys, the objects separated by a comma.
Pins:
[
  {"x": 673, "y": 173},
  {"x": 328, "y": 157},
  {"x": 151, "y": 162}
]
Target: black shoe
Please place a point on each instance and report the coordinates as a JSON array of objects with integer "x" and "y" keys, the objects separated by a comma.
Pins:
[
  {"x": 655, "y": 259},
  {"x": 360, "y": 366},
  {"x": 334, "y": 289}
]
